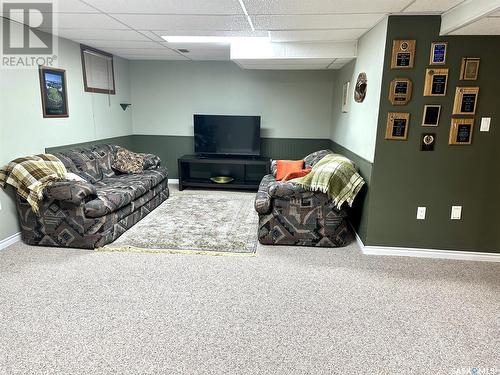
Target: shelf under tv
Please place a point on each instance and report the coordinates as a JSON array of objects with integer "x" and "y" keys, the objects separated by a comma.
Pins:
[{"x": 195, "y": 171}]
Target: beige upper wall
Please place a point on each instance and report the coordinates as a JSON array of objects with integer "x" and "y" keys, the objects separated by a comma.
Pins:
[
  {"x": 23, "y": 130},
  {"x": 166, "y": 94},
  {"x": 356, "y": 130}
]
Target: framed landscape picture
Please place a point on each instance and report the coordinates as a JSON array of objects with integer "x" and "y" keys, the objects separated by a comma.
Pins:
[{"x": 54, "y": 93}]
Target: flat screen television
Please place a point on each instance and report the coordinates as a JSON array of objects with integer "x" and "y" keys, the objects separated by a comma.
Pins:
[{"x": 227, "y": 135}]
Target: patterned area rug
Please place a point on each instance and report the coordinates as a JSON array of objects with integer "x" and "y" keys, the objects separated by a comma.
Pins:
[{"x": 200, "y": 222}]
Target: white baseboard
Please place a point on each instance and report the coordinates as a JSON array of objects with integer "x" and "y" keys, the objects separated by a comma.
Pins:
[
  {"x": 426, "y": 253},
  {"x": 10, "y": 240},
  {"x": 173, "y": 181}
]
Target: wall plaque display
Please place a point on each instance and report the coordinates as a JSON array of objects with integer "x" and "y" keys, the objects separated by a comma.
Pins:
[
  {"x": 438, "y": 53},
  {"x": 403, "y": 54},
  {"x": 470, "y": 68},
  {"x": 427, "y": 142},
  {"x": 436, "y": 82},
  {"x": 465, "y": 100},
  {"x": 431, "y": 115},
  {"x": 345, "y": 97},
  {"x": 461, "y": 131},
  {"x": 397, "y": 126},
  {"x": 400, "y": 91},
  {"x": 54, "y": 93}
]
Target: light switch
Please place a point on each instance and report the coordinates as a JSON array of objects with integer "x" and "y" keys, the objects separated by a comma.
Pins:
[
  {"x": 421, "y": 213},
  {"x": 456, "y": 212},
  {"x": 485, "y": 124}
]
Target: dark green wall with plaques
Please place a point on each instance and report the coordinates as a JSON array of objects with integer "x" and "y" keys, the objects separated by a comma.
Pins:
[{"x": 404, "y": 177}]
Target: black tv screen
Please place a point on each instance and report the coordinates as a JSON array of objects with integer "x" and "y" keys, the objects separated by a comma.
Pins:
[{"x": 227, "y": 135}]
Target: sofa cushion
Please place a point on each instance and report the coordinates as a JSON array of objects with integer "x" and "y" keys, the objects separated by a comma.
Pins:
[
  {"x": 311, "y": 159},
  {"x": 116, "y": 192},
  {"x": 127, "y": 161},
  {"x": 284, "y": 167}
]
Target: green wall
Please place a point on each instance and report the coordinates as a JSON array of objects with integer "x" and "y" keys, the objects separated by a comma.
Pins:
[{"x": 404, "y": 177}]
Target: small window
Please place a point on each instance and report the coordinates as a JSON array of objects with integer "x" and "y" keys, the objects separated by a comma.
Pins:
[{"x": 98, "y": 74}]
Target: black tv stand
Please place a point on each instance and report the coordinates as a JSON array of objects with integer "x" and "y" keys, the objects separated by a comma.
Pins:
[{"x": 196, "y": 170}]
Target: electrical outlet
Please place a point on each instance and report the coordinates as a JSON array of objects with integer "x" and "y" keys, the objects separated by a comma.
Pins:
[
  {"x": 421, "y": 213},
  {"x": 456, "y": 212},
  {"x": 485, "y": 124}
]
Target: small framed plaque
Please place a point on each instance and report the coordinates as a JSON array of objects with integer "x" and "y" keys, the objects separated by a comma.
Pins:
[
  {"x": 470, "y": 68},
  {"x": 345, "y": 97},
  {"x": 436, "y": 82},
  {"x": 400, "y": 91},
  {"x": 432, "y": 113},
  {"x": 397, "y": 126},
  {"x": 427, "y": 142},
  {"x": 438, "y": 53},
  {"x": 465, "y": 100},
  {"x": 461, "y": 131},
  {"x": 403, "y": 54}
]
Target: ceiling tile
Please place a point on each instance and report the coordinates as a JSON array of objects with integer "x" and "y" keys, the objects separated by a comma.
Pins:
[
  {"x": 339, "y": 63},
  {"x": 151, "y": 57},
  {"x": 99, "y": 34},
  {"x": 484, "y": 26},
  {"x": 233, "y": 33},
  {"x": 87, "y": 21},
  {"x": 168, "y": 6},
  {"x": 316, "y": 35},
  {"x": 73, "y": 6},
  {"x": 162, "y": 51},
  {"x": 285, "y": 64},
  {"x": 220, "y": 54},
  {"x": 121, "y": 44},
  {"x": 324, "y": 6},
  {"x": 319, "y": 21},
  {"x": 183, "y": 22},
  {"x": 432, "y": 5}
]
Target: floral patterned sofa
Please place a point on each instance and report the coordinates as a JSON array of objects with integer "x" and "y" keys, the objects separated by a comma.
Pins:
[
  {"x": 91, "y": 213},
  {"x": 290, "y": 215}
]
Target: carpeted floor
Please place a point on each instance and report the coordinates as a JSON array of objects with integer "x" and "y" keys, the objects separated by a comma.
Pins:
[{"x": 286, "y": 311}]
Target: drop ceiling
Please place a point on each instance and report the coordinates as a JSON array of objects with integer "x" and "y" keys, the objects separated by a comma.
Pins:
[{"x": 315, "y": 29}]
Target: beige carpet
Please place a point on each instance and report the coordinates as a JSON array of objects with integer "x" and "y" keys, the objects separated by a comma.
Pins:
[{"x": 202, "y": 222}]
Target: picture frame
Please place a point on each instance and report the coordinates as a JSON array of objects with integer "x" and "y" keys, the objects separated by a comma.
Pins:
[
  {"x": 53, "y": 92},
  {"x": 469, "y": 70},
  {"x": 427, "y": 142},
  {"x": 345, "y": 97},
  {"x": 431, "y": 115},
  {"x": 438, "y": 53},
  {"x": 436, "y": 82},
  {"x": 397, "y": 126},
  {"x": 461, "y": 131},
  {"x": 466, "y": 101},
  {"x": 403, "y": 54},
  {"x": 400, "y": 91}
]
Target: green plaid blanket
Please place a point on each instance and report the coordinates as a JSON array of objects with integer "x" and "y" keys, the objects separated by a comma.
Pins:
[
  {"x": 335, "y": 175},
  {"x": 31, "y": 174}
]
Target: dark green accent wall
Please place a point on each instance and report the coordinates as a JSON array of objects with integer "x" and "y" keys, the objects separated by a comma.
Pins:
[
  {"x": 170, "y": 148},
  {"x": 404, "y": 177},
  {"x": 359, "y": 212},
  {"x": 124, "y": 141}
]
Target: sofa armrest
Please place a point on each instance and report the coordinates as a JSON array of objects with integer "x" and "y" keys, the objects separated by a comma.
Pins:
[
  {"x": 263, "y": 200},
  {"x": 75, "y": 192},
  {"x": 285, "y": 189},
  {"x": 151, "y": 161}
]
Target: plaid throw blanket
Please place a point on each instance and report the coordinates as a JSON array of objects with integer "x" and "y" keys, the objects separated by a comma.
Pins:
[
  {"x": 31, "y": 174},
  {"x": 335, "y": 175}
]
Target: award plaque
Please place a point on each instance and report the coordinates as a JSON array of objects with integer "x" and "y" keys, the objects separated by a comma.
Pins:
[
  {"x": 465, "y": 100},
  {"x": 427, "y": 142},
  {"x": 397, "y": 126},
  {"x": 403, "y": 54},
  {"x": 436, "y": 82},
  {"x": 431, "y": 116},
  {"x": 438, "y": 53},
  {"x": 470, "y": 68},
  {"x": 461, "y": 131},
  {"x": 400, "y": 91}
]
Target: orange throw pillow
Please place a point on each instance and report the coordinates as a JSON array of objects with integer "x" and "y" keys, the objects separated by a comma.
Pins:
[
  {"x": 301, "y": 173},
  {"x": 284, "y": 167}
]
